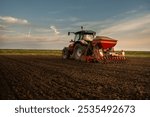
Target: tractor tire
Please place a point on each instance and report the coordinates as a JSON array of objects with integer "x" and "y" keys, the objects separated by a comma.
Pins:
[
  {"x": 78, "y": 51},
  {"x": 65, "y": 53}
]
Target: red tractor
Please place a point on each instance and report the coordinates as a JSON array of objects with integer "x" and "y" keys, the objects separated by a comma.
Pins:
[{"x": 86, "y": 46}]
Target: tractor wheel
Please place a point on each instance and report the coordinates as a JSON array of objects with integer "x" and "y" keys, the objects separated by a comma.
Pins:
[
  {"x": 78, "y": 51},
  {"x": 65, "y": 53}
]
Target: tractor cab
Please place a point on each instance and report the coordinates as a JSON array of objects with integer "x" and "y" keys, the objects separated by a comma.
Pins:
[{"x": 86, "y": 35}]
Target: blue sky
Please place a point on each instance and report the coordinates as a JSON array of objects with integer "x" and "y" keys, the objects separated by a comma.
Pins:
[{"x": 43, "y": 24}]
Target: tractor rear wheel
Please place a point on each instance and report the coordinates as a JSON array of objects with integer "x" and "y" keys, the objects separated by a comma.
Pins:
[
  {"x": 65, "y": 53},
  {"x": 78, "y": 51}
]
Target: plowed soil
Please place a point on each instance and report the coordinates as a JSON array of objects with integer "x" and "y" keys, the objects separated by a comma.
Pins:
[{"x": 50, "y": 77}]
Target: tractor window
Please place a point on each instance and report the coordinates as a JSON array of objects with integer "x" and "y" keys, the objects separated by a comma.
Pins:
[
  {"x": 88, "y": 37},
  {"x": 77, "y": 37}
]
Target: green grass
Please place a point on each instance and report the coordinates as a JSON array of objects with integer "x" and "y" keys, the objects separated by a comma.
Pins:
[
  {"x": 29, "y": 52},
  {"x": 137, "y": 53},
  {"x": 58, "y": 52}
]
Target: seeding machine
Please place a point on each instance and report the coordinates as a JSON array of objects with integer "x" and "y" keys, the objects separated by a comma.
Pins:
[{"x": 86, "y": 46}]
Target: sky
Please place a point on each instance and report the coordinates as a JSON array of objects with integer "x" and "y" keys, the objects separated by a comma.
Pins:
[{"x": 43, "y": 24}]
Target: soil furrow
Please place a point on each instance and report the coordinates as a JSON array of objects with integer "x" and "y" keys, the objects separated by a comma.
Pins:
[{"x": 50, "y": 77}]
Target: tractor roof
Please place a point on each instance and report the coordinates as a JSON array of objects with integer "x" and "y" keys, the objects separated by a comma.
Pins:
[{"x": 85, "y": 32}]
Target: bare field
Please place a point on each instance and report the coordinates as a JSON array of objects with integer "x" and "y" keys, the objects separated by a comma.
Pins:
[{"x": 50, "y": 77}]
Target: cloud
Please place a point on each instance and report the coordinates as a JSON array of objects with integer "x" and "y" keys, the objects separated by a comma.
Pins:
[
  {"x": 5, "y": 29},
  {"x": 42, "y": 30},
  {"x": 132, "y": 33},
  {"x": 137, "y": 44},
  {"x": 70, "y": 19},
  {"x": 131, "y": 29},
  {"x": 60, "y": 20},
  {"x": 13, "y": 20},
  {"x": 36, "y": 38},
  {"x": 2, "y": 27},
  {"x": 73, "y": 19},
  {"x": 131, "y": 11},
  {"x": 54, "y": 29},
  {"x": 129, "y": 25}
]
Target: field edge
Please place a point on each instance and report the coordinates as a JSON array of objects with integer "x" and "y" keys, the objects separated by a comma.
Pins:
[{"x": 59, "y": 52}]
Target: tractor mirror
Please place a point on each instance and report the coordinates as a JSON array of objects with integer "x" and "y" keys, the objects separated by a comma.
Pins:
[{"x": 68, "y": 33}]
